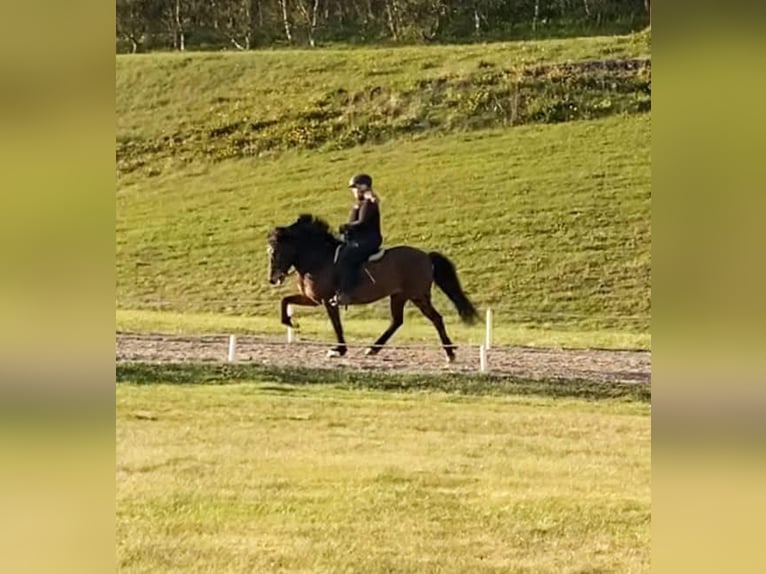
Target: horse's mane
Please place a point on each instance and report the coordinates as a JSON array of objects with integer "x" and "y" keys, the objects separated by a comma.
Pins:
[
  {"x": 306, "y": 228},
  {"x": 313, "y": 224}
]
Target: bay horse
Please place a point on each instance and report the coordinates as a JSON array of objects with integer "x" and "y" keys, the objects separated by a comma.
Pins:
[{"x": 403, "y": 273}]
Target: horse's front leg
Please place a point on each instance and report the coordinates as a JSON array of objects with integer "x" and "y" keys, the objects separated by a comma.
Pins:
[
  {"x": 294, "y": 300},
  {"x": 334, "y": 313}
]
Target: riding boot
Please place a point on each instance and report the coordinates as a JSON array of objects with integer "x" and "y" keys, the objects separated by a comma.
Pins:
[
  {"x": 352, "y": 260},
  {"x": 348, "y": 283}
]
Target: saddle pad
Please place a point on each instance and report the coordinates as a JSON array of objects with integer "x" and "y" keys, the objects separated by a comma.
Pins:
[{"x": 377, "y": 256}]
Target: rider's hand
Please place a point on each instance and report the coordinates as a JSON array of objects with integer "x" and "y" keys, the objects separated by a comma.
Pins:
[{"x": 343, "y": 228}]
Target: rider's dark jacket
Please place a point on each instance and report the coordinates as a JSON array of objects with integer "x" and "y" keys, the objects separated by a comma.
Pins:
[{"x": 364, "y": 224}]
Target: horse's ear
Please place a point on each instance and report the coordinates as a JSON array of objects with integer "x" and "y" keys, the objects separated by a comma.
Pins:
[{"x": 305, "y": 218}]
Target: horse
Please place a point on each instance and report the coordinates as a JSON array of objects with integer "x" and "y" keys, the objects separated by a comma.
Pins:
[{"x": 402, "y": 273}]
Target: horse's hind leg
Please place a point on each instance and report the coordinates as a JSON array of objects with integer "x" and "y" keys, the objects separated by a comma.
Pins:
[
  {"x": 397, "y": 318},
  {"x": 425, "y": 306}
]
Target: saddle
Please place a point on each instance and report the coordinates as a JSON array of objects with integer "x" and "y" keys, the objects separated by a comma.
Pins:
[{"x": 377, "y": 256}]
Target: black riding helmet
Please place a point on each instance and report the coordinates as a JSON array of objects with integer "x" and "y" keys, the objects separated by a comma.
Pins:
[{"x": 360, "y": 179}]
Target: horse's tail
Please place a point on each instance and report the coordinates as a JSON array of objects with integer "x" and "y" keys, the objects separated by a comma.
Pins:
[{"x": 446, "y": 279}]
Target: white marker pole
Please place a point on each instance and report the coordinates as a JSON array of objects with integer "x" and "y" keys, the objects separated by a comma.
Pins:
[
  {"x": 290, "y": 335},
  {"x": 232, "y": 348},
  {"x": 488, "y": 333},
  {"x": 482, "y": 359}
]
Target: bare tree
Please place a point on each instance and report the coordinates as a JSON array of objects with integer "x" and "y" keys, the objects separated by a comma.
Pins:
[
  {"x": 286, "y": 21},
  {"x": 392, "y": 12},
  {"x": 310, "y": 15},
  {"x": 132, "y": 21},
  {"x": 179, "y": 40},
  {"x": 238, "y": 19}
]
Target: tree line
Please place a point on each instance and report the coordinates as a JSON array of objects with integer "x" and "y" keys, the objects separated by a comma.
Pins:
[{"x": 144, "y": 25}]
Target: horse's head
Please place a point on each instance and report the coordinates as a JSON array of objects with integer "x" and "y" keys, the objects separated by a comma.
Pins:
[
  {"x": 305, "y": 242},
  {"x": 282, "y": 251}
]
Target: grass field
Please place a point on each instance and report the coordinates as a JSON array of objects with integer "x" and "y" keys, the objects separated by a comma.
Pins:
[
  {"x": 548, "y": 225},
  {"x": 548, "y": 221},
  {"x": 263, "y": 475}
]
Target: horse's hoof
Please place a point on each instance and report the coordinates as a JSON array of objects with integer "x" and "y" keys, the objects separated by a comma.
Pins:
[
  {"x": 451, "y": 358},
  {"x": 336, "y": 352},
  {"x": 371, "y": 351}
]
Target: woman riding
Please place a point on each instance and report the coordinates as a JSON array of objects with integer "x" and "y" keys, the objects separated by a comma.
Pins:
[{"x": 361, "y": 234}]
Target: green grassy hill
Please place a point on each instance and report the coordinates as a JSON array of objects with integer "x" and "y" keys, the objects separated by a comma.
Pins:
[
  {"x": 221, "y": 105},
  {"x": 548, "y": 221}
]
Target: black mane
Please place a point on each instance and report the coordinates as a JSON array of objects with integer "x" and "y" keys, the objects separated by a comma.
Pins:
[
  {"x": 314, "y": 225},
  {"x": 306, "y": 229}
]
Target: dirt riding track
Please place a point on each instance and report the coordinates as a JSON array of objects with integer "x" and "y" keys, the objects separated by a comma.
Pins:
[{"x": 528, "y": 362}]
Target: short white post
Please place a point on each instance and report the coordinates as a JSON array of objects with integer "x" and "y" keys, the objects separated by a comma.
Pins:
[
  {"x": 482, "y": 359},
  {"x": 232, "y": 348},
  {"x": 290, "y": 334},
  {"x": 488, "y": 333}
]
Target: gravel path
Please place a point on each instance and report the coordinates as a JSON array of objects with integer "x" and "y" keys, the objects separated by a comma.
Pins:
[{"x": 529, "y": 362}]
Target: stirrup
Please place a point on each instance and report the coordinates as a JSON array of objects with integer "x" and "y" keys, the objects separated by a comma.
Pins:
[{"x": 336, "y": 302}]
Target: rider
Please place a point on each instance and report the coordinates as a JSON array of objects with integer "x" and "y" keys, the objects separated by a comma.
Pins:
[{"x": 361, "y": 233}]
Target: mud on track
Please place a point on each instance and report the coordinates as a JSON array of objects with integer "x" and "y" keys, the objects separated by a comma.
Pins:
[{"x": 598, "y": 365}]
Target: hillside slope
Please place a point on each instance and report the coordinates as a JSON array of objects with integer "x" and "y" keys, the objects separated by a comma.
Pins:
[
  {"x": 527, "y": 163},
  {"x": 549, "y": 225},
  {"x": 200, "y": 107}
]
